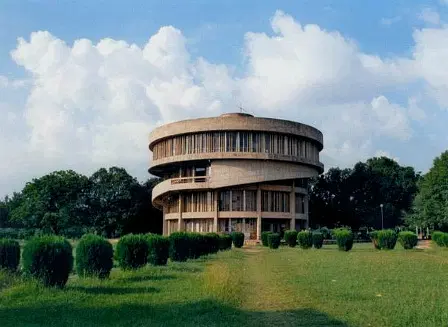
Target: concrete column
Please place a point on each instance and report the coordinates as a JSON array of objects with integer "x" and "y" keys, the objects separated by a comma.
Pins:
[
  {"x": 180, "y": 222},
  {"x": 292, "y": 205},
  {"x": 305, "y": 204},
  {"x": 258, "y": 213},
  {"x": 164, "y": 231},
  {"x": 215, "y": 207}
]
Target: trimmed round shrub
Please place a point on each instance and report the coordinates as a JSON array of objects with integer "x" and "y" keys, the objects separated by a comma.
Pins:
[
  {"x": 438, "y": 238},
  {"x": 374, "y": 237},
  {"x": 9, "y": 254},
  {"x": 159, "y": 248},
  {"x": 132, "y": 251},
  {"x": 387, "y": 239},
  {"x": 179, "y": 246},
  {"x": 305, "y": 239},
  {"x": 237, "y": 239},
  {"x": 94, "y": 256},
  {"x": 408, "y": 240},
  {"x": 225, "y": 242},
  {"x": 48, "y": 259},
  {"x": 291, "y": 238},
  {"x": 326, "y": 233},
  {"x": 196, "y": 245},
  {"x": 264, "y": 238},
  {"x": 211, "y": 243},
  {"x": 274, "y": 240},
  {"x": 445, "y": 239},
  {"x": 344, "y": 238},
  {"x": 318, "y": 240}
]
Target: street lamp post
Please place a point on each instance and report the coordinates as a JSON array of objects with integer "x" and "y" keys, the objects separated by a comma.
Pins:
[{"x": 382, "y": 216}]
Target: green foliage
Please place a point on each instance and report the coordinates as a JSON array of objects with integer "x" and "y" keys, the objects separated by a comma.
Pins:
[
  {"x": 112, "y": 199},
  {"x": 54, "y": 201},
  {"x": 437, "y": 237},
  {"x": 225, "y": 242},
  {"x": 132, "y": 251},
  {"x": 237, "y": 239},
  {"x": 318, "y": 240},
  {"x": 196, "y": 243},
  {"x": 274, "y": 240},
  {"x": 48, "y": 259},
  {"x": 430, "y": 207},
  {"x": 211, "y": 243},
  {"x": 352, "y": 196},
  {"x": 408, "y": 240},
  {"x": 264, "y": 238},
  {"x": 326, "y": 233},
  {"x": 179, "y": 246},
  {"x": 440, "y": 238},
  {"x": 344, "y": 238},
  {"x": 291, "y": 238},
  {"x": 9, "y": 254},
  {"x": 159, "y": 247},
  {"x": 374, "y": 237},
  {"x": 387, "y": 239},
  {"x": 94, "y": 256},
  {"x": 305, "y": 239}
]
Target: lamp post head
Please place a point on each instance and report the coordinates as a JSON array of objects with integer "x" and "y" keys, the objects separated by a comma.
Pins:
[{"x": 381, "y": 205}]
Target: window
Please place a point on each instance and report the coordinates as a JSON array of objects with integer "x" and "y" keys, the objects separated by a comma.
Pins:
[
  {"x": 300, "y": 207},
  {"x": 237, "y": 200},
  {"x": 275, "y": 201},
  {"x": 224, "y": 201},
  {"x": 251, "y": 200}
]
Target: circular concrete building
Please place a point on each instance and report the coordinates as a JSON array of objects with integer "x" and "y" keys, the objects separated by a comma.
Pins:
[{"x": 234, "y": 172}]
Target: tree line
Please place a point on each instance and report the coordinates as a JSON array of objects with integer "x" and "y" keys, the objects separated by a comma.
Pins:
[{"x": 111, "y": 202}]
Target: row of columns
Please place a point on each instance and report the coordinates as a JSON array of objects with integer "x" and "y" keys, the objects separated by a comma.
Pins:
[{"x": 215, "y": 216}]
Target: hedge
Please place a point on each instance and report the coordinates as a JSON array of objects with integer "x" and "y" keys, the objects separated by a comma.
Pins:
[
  {"x": 94, "y": 256},
  {"x": 9, "y": 254},
  {"x": 132, "y": 251},
  {"x": 344, "y": 238},
  {"x": 374, "y": 237},
  {"x": 387, "y": 239},
  {"x": 225, "y": 242},
  {"x": 48, "y": 259},
  {"x": 238, "y": 239},
  {"x": 291, "y": 238},
  {"x": 274, "y": 240},
  {"x": 179, "y": 246},
  {"x": 440, "y": 238},
  {"x": 211, "y": 243},
  {"x": 305, "y": 239},
  {"x": 264, "y": 238},
  {"x": 158, "y": 249},
  {"x": 408, "y": 240},
  {"x": 318, "y": 240}
]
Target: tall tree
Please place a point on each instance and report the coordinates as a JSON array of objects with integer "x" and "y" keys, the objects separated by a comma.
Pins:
[
  {"x": 353, "y": 196},
  {"x": 53, "y": 201},
  {"x": 146, "y": 218},
  {"x": 430, "y": 207},
  {"x": 112, "y": 200}
]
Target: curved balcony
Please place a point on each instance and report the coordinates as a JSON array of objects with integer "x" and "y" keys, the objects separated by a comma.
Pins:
[{"x": 179, "y": 184}]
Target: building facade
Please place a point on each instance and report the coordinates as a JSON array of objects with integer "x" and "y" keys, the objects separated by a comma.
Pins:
[{"x": 235, "y": 172}]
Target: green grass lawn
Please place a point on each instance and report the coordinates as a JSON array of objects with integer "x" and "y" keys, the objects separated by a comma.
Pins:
[{"x": 252, "y": 286}]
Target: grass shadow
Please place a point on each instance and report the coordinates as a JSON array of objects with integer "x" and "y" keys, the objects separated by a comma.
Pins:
[
  {"x": 181, "y": 268},
  {"x": 102, "y": 290},
  {"x": 146, "y": 278},
  {"x": 195, "y": 314}
]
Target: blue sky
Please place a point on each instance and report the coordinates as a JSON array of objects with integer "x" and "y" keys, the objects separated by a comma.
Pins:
[
  {"x": 398, "y": 110},
  {"x": 221, "y": 22}
]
